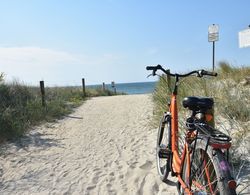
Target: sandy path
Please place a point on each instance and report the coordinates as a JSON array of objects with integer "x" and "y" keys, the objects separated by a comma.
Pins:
[{"x": 105, "y": 147}]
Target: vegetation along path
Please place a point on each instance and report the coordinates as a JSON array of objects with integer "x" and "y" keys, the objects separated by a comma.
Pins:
[{"x": 105, "y": 147}]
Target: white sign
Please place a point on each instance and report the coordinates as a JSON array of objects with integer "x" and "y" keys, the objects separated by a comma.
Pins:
[
  {"x": 213, "y": 33},
  {"x": 214, "y": 28},
  {"x": 213, "y": 37},
  {"x": 244, "y": 38}
]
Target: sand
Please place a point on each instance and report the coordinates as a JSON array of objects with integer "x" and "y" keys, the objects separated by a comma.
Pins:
[{"x": 105, "y": 147}]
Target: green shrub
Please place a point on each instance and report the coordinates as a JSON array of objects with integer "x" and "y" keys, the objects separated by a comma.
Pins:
[
  {"x": 232, "y": 102},
  {"x": 94, "y": 92},
  {"x": 21, "y": 107},
  {"x": 13, "y": 102},
  {"x": 231, "y": 97}
]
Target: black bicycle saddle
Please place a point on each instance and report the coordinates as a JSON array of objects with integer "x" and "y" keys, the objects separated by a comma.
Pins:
[{"x": 198, "y": 103}]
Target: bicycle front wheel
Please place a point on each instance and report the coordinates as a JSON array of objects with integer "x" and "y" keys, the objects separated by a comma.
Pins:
[
  {"x": 209, "y": 173},
  {"x": 163, "y": 150}
]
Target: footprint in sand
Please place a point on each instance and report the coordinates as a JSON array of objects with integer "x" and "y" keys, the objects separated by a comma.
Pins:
[
  {"x": 147, "y": 165},
  {"x": 96, "y": 175},
  {"x": 133, "y": 165},
  {"x": 121, "y": 176},
  {"x": 112, "y": 174},
  {"x": 110, "y": 190},
  {"x": 91, "y": 187}
]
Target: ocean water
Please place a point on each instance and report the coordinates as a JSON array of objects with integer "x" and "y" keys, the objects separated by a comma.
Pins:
[{"x": 131, "y": 88}]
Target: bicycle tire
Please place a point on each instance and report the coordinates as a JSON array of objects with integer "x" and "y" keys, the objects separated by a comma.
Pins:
[
  {"x": 215, "y": 164},
  {"x": 163, "y": 141}
]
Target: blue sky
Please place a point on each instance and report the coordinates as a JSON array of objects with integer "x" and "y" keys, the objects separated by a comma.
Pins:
[{"x": 62, "y": 41}]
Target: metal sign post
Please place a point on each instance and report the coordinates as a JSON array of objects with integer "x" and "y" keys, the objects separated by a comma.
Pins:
[
  {"x": 213, "y": 35},
  {"x": 113, "y": 86}
]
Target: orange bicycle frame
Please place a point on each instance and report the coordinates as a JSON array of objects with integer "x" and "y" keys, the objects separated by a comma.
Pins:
[{"x": 177, "y": 160}]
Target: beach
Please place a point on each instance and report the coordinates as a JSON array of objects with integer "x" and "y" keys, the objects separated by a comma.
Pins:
[{"x": 106, "y": 146}]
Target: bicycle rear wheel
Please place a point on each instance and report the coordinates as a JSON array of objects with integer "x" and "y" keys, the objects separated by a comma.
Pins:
[
  {"x": 210, "y": 172},
  {"x": 163, "y": 151}
]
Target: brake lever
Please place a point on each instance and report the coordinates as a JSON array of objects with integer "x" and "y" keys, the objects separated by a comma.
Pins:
[
  {"x": 153, "y": 75},
  {"x": 199, "y": 74}
]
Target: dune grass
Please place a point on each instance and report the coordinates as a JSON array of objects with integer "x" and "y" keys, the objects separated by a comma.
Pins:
[
  {"x": 21, "y": 106},
  {"x": 231, "y": 92}
]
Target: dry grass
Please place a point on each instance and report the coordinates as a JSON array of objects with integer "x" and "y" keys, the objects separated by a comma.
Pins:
[
  {"x": 21, "y": 107},
  {"x": 231, "y": 92}
]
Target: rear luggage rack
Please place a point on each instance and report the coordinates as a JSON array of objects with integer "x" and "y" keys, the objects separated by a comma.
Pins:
[{"x": 216, "y": 137}]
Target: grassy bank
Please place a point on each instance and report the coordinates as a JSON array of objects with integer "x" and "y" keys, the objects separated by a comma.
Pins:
[
  {"x": 21, "y": 107},
  {"x": 230, "y": 90}
]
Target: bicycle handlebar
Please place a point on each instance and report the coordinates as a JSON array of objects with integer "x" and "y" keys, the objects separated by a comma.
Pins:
[
  {"x": 200, "y": 73},
  {"x": 150, "y": 67},
  {"x": 204, "y": 72}
]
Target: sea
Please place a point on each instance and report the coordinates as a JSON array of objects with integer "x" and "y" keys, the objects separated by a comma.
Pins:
[{"x": 130, "y": 88}]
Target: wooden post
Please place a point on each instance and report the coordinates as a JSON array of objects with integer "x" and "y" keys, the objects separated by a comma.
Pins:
[
  {"x": 83, "y": 87},
  {"x": 113, "y": 86},
  {"x": 169, "y": 81},
  {"x": 103, "y": 86},
  {"x": 43, "y": 93}
]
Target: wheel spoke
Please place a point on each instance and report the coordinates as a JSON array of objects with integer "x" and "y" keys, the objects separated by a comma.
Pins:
[
  {"x": 208, "y": 177},
  {"x": 204, "y": 175},
  {"x": 205, "y": 171}
]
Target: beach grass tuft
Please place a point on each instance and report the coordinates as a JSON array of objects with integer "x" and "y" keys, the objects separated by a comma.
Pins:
[
  {"x": 230, "y": 90},
  {"x": 21, "y": 105}
]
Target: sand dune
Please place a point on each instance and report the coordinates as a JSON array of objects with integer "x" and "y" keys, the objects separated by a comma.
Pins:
[{"x": 105, "y": 147}]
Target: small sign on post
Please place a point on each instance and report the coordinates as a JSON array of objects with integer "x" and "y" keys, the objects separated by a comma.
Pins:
[
  {"x": 244, "y": 38},
  {"x": 213, "y": 35},
  {"x": 113, "y": 86},
  {"x": 103, "y": 86}
]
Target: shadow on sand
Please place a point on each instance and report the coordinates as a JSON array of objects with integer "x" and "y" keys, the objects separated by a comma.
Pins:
[
  {"x": 36, "y": 139},
  {"x": 32, "y": 140}
]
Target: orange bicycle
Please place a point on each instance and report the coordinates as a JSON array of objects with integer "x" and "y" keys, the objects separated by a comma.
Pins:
[{"x": 202, "y": 165}]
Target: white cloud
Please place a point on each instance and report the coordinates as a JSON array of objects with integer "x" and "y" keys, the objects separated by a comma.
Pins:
[
  {"x": 34, "y": 56},
  {"x": 32, "y": 64}
]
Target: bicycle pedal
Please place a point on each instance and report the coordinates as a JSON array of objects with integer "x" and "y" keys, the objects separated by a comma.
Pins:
[{"x": 164, "y": 152}]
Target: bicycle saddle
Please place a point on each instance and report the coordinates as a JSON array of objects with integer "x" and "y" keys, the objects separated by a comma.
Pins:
[{"x": 198, "y": 103}]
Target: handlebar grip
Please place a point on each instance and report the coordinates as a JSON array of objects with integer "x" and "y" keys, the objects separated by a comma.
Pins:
[
  {"x": 151, "y": 67},
  {"x": 158, "y": 67},
  {"x": 204, "y": 72}
]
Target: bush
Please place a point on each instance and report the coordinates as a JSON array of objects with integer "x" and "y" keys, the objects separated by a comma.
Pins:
[
  {"x": 232, "y": 103},
  {"x": 14, "y": 99},
  {"x": 231, "y": 97},
  {"x": 21, "y": 107}
]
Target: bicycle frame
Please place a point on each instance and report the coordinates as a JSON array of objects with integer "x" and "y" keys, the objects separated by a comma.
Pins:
[
  {"x": 177, "y": 160},
  {"x": 180, "y": 163}
]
